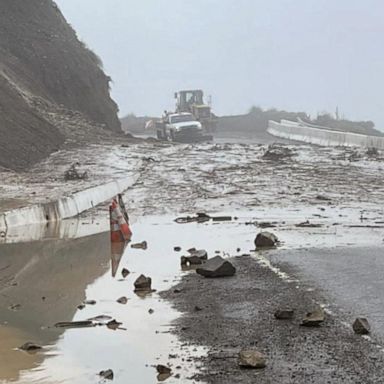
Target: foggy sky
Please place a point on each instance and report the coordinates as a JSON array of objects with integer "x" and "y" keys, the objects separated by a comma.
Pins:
[{"x": 307, "y": 55}]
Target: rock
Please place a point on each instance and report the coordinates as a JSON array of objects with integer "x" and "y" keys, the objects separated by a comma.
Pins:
[
  {"x": 177, "y": 249},
  {"x": 143, "y": 283},
  {"x": 150, "y": 311},
  {"x": 265, "y": 239},
  {"x": 190, "y": 260},
  {"x": 314, "y": 319},
  {"x": 142, "y": 245},
  {"x": 216, "y": 267},
  {"x": 89, "y": 302},
  {"x": 108, "y": 374},
  {"x": 197, "y": 308},
  {"x": 125, "y": 272},
  {"x": 113, "y": 324},
  {"x": 30, "y": 347},
  {"x": 81, "y": 306},
  {"x": 200, "y": 253},
  {"x": 251, "y": 359},
  {"x": 361, "y": 326},
  {"x": 75, "y": 324},
  {"x": 284, "y": 314},
  {"x": 163, "y": 369},
  {"x": 122, "y": 300}
]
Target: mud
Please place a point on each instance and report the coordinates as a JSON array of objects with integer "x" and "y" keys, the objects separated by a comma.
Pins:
[
  {"x": 336, "y": 192},
  {"x": 238, "y": 313}
]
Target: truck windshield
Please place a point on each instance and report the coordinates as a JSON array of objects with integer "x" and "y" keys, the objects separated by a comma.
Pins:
[{"x": 181, "y": 118}]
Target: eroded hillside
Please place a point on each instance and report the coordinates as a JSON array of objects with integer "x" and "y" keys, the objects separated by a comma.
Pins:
[{"x": 51, "y": 85}]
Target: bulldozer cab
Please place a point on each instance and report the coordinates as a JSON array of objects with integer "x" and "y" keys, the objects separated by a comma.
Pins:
[{"x": 186, "y": 100}]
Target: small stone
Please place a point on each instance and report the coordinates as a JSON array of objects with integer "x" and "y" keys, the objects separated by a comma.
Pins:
[
  {"x": 150, "y": 311},
  {"x": 177, "y": 249},
  {"x": 143, "y": 283},
  {"x": 122, "y": 300},
  {"x": 30, "y": 347},
  {"x": 314, "y": 319},
  {"x": 177, "y": 376},
  {"x": 197, "y": 308},
  {"x": 125, "y": 272},
  {"x": 200, "y": 253},
  {"x": 81, "y": 306},
  {"x": 142, "y": 245},
  {"x": 265, "y": 239},
  {"x": 108, "y": 374},
  {"x": 163, "y": 369},
  {"x": 284, "y": 314},
  {"x": 113, "y": 324},
  {"x": 361, "y": 326},
  {"x": 251, "y": 359},
  {"x": 89, "y": 302},
  {"x": 191, "y": 260}
]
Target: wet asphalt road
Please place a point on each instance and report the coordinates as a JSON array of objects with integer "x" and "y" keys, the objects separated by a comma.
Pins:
[{"x": 352, "y": 279}]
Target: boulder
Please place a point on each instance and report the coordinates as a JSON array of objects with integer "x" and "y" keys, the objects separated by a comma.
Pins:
[
  {"x": 361, "y": 326},
  {"x": 265, "y": 239},
  {"x": 251, "y": 359},
  {"x": 216, "y": 267},
  {"x": 284, "y": 314},
  {"x": 143, "y": 283},
  {"x": 314, "y": 319}
]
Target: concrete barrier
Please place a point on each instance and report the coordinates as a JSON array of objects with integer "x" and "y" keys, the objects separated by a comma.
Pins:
[
  {"x": 65, "y": 207},
  {"x": 295, "y": 131}
]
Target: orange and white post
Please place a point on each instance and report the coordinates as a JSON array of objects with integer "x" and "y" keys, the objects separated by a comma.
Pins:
[{"x": 120, "y": 231}]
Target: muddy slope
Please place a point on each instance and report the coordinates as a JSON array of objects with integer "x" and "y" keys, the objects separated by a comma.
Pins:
[{"x": 45, "y": 72}]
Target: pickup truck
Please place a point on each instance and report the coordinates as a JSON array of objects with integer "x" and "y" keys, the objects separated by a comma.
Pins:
[{"x": 182, "y": 128}]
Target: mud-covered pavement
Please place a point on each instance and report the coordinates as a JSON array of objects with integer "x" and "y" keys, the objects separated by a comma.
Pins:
[{"x": 315, "y": 200}]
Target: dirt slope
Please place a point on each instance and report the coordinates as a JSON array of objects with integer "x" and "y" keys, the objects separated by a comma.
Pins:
[{"x": 45, "y": 72}]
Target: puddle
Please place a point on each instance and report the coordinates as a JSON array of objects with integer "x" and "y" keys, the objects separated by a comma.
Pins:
[{"x": 42, "y": 282}]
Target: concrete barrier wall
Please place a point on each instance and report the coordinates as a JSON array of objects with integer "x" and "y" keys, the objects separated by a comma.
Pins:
[
  {"x": 65, "y": 207},
  {"x": 295, "y": 131}
]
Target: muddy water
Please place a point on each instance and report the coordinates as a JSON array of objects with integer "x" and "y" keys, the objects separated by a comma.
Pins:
[{"x": 45, "y": 281}]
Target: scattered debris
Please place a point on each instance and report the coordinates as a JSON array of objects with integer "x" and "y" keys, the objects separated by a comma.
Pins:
[
  {"x": 307, "y": 224},
  {"x": 276, "y": 152},
  {"x": 361, "y": 326},
  {"x": 125, "y": 272},
  {"x": 72, "y": 173},
  {"x": 30, "y": 347},
  {"x": 122, "y": 300},
  {"x": 314, "y": 319},
  {"x": 108, "y": 374},
  {"x": 201, "y": 218},
  {"x": 142, "y": 245},
  {"x": 323, "y": 198},
  {"x": 14, "y": 307},
  {"x": 216, "y": 267},
  {"x": 249, "y": 358},
  {"x": 284, "y": 314},
  {"x": 75, "y": 324},
  {"x": 143, "y": 283},
  {"x": 265, "y": 239}
]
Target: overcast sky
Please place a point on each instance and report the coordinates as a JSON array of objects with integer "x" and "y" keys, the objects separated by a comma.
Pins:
[{"x": 307, "y": 55}]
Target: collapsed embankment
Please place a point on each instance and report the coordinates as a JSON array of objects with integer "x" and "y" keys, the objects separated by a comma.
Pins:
[{"x": 49, "y": 81}]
